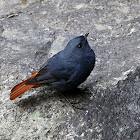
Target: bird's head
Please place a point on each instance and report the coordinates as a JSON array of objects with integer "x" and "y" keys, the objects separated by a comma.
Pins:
[{"x": 78, "y": 45}]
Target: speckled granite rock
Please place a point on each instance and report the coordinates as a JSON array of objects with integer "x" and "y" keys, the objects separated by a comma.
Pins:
[{"x": 32, "y": 31}]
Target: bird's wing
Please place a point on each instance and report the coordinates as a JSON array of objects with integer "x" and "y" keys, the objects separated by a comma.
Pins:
[{"x": 54, "y": 70}]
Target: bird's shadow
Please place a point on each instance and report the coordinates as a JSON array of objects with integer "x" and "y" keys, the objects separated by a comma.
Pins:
[{"x": 76, "y": 97}]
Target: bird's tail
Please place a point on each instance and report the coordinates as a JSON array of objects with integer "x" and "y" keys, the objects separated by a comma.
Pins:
[{"x": 20, "y": 88}]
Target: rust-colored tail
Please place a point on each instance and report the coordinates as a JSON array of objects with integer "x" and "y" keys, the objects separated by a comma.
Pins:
[{"x": 20, "y": 88}]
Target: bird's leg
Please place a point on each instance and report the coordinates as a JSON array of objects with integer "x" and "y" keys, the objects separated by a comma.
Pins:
[
  {"x": 80, "y": 99},
  {"x": 74, "y": 103},
  {"x": 71, "y": 104}
]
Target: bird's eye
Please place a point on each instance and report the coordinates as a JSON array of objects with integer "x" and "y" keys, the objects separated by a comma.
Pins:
[{"x": 79, "y": 46}]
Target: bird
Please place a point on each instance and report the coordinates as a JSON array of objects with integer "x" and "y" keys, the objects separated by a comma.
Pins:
[{"x": 64, "y": 71}]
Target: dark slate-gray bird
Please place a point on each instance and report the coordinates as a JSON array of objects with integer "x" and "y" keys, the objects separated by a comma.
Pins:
[{"x": 64, "y": 71}]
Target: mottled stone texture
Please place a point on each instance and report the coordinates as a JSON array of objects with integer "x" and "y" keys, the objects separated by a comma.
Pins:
[{"x": 33, "y": 30}]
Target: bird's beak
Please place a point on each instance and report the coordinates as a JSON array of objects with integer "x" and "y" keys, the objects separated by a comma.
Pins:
[{"x": 86, "y": 35}]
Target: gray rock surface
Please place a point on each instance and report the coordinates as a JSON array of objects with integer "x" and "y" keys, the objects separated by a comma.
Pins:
[{"x": 31, "y": 31}]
